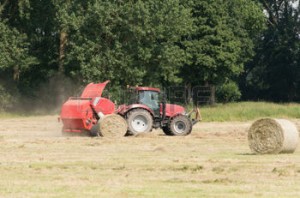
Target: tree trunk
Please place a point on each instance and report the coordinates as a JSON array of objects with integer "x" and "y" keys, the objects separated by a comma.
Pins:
[
  {"x": 61, "y": 69},
  {"x": 16, "y": 73},
  {"x": 189, "y": 98},
  {"x": 62, "y": 46}
]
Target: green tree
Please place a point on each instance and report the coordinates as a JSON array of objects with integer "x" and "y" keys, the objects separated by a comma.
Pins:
[
  {"x": 14, "y": 44},
  {"x": 275, "y": 72},
  {"x": 33, "y": 19},
  {"x": 222, "y": 40},
  {"x": 14, "y": 61},
  {"x": 128, "y": 42},
  {"x": 134, "y": 42},
  {"x": 14, "y": 50}
]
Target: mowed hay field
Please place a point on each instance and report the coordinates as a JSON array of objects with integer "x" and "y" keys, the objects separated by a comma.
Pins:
[{"x": 214, "y": 161}]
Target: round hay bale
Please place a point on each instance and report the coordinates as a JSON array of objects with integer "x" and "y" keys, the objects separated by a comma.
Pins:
[
  {"x": 272, "y": 136},
  {"x": 113, "y": 125}
]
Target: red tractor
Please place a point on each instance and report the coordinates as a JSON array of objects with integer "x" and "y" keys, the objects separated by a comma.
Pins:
[{"x": 145, "y": 109}]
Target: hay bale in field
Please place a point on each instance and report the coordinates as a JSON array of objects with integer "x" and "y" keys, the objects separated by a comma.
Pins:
[
  {"x": 272, "y": 136},
  {"x": 113, "y": 125}
]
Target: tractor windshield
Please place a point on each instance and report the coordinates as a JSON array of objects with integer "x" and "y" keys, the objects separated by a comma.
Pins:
[{"x": 150, "y": 99}]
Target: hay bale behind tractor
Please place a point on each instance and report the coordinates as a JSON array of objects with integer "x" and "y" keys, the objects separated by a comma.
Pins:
[
  {"x": 272, "y": 136},
  {"x": 112, "y": 125}
]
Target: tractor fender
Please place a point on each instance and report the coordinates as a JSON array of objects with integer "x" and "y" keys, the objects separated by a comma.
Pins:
[{"x": 124, "y": 109}]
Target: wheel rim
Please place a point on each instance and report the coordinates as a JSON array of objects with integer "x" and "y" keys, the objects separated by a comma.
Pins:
[
  {"x": 180, "y": 127},
  {"x": 139, "y": 123}
]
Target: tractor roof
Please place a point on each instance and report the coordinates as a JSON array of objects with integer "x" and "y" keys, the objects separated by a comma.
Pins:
[{"x": 147, "y": 89}]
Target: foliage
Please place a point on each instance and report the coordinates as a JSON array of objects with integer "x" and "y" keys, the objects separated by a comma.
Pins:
[
  {"x": 7, "y": 100},
  {"x": 274, "y": 74},
  {"x": 222, "y": 40},
  {"x": 15, "y": 60},
  {"x": 150, "y": 42},
  {"x": 14, "y": 49},
  {"x": 129, "y": 42},
  {"x": 228, "y": 92}
]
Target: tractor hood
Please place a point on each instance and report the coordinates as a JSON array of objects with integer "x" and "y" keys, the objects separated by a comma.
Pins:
[
  {"x": 94, "y": 90},
  {"x": 172, "y": 110}
]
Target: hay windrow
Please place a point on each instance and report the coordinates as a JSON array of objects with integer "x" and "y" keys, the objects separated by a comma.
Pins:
[
  {"x": 272, "y": 136},
  {"x": 113, "y": 125}
]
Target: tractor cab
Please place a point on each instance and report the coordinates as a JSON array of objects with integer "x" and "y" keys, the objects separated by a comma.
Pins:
[{"x": 150, "y": 97}]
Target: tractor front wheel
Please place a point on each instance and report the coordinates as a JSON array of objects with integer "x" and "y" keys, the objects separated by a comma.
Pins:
[
  {"x": 181, "y": 125},
  {"x": 139, "y": 121}
]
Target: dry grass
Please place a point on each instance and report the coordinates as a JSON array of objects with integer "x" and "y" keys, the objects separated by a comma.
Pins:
[{"x": 214, "y": 161}]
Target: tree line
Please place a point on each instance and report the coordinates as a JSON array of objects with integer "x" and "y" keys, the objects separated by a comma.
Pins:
[{"x": 49, "y": 49}]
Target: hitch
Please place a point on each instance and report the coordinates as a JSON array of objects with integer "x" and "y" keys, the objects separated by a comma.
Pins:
[{"x": 197, "y": 116}]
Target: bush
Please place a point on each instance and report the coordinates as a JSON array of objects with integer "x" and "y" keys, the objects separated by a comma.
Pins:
[
  {"x": 6, "y": 99},
  {"x": 228, "y": 92}
]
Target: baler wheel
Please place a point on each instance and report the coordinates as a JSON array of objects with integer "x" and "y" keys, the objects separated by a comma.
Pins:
[
  {"x": 95, "y": 130},
  {"x": 181, "y": 125},
  {"x": 139, "y": 121}
]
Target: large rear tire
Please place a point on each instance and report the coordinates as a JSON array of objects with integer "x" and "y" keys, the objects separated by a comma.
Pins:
[
  {"x": 139, "y": 121},
  {"x": 181, "y": 125}
]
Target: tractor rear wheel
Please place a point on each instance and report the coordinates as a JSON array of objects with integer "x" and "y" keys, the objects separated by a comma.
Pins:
[
  {"x": 181, "y": 125},
  {"x": 139, "y": 121}
]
